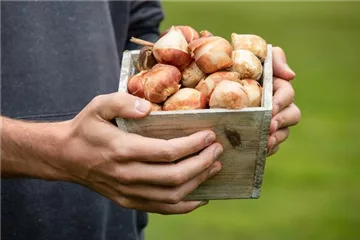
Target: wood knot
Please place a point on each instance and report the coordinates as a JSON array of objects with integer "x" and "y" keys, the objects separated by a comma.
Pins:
[{"x": 234, "y": 138}]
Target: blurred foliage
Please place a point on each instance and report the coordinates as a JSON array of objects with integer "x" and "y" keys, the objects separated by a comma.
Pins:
[{"x": 311, "y": 187}]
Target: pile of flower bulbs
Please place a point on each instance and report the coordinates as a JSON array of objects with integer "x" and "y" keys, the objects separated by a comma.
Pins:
[{"x": 187, "y": 70}]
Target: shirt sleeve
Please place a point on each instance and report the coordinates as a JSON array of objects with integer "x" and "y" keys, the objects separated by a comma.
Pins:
[{"x": 145, "y": 19}]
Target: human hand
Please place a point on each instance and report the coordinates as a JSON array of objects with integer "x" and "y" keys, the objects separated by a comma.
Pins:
[
  {"x": 134, "y": 171},
  {"x": 285, "y": 113}
]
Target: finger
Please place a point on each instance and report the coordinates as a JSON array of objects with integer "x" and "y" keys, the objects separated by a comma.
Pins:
[
  {"x": 161, "y": 208},
  {"x": 273, "y": 150},
  {"x": 280, "y": 67},
  {"x": 278, "y": 137},
  {"x": 290, "y": 116},
  {"x": 120, "y": 104},
  {"x": 144, "y": 205},
  {"x": 283, "y": 95},
  {"x": 167, "y": 174},
  {"x": 164, "y": 194},
  {"x": 159, "y": 150}
]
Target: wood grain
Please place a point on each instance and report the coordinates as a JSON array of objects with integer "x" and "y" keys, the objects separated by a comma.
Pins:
[{"x": 243, "y": 134}]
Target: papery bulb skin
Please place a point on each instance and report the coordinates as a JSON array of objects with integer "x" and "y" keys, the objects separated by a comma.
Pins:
[
  {"x": 247, "y": 64},
  {"x": 205, "y": 33},
  {"x": 188, "y": 32},
  {"x": 250, "y": 42},
  {"x": 230, "y": 95},
  {"x": 254, "y": 91},
  {"x": 162, "y": 82},
  {"x": 191, "y": 75},
  {"x": 136, "y": 84},
  {"x": 156, "y": 107},
  {"x": 207, "y": 85},
  {"x": 146, "y": 59},
  {"x": 172, "y": 49},
  {"x": 185, "y": 99},
  {"x": 211, "y": 54}
]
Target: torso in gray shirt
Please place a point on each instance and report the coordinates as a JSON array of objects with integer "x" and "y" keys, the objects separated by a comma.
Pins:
[{"x": 55, "y": 57}]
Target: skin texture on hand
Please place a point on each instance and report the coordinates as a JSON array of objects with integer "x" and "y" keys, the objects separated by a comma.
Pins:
[
  {"x": 132, "y": 170},
  {"x": 285, "y": 113}
]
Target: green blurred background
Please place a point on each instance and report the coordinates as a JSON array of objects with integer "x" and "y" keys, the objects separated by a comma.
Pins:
[{"x": 311, "y": 187}]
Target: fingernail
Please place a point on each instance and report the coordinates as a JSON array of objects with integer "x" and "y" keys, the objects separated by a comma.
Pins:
[
  {"x": 210, "y": 138},
  {"x": 289, "y": 69},
  {"x": 203, "y": 203},
  {"x": 142, "y": 105},
  {"x": 218, "y": 151}
]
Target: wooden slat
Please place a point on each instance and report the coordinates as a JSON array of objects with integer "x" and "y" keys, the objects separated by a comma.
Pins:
[{"x": 267, "y": 82}]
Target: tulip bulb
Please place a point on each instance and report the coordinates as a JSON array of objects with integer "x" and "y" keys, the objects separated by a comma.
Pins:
[
  {"x": 211, "y": 54},
  {"x": 146, "y": 59},
  {"x": 162, "y": 81},
  {"x": 155, "y": 107},
  {"x": 185, "y": 99},
  {"x": 229, "y": 94},
  {"x": 191, "y": 75},
  {"x": 254, "y": 91},
  {"x": 136, "y": 84},
  {"x": 247, "y": 64},
  {"x": 172, "y": 49},
  {"x": 207, "y": 85},
  {"x": 188, "y": 32},
  {"x": 253, "y": 43},
  {"x": 205, "y": 33}
]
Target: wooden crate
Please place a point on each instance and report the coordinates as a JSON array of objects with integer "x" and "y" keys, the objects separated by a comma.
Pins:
[{"x": 243, "y": 134}]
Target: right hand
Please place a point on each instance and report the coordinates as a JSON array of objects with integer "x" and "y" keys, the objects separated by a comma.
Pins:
[{"x": 134, "y": 171}]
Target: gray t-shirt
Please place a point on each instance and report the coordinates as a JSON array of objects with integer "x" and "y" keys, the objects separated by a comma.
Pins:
[{"x": 55, "y": 57}]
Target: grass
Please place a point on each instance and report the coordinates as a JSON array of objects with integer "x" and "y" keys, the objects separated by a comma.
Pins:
[{"x": 311, "y": 188}]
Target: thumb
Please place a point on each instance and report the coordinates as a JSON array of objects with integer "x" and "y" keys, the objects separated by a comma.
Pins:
[
  {"x": 280, "y": 67},
  {"x": 121, "y": 104}
]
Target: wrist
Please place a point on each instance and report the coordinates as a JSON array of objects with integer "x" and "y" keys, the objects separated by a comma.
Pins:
[{"x": 29, "y": 148}]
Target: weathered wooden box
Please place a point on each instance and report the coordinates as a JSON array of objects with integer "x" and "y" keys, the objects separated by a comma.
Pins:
[{"x": 243, "y": 134}]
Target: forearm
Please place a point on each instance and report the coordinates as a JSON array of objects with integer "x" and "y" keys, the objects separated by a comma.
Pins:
[{"x": 27, "y": 147}]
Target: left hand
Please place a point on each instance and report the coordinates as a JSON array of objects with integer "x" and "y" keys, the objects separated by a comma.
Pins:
[{"x": 285, "y": 113}]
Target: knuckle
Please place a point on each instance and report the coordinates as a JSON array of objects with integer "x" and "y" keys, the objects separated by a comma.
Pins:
[
  {"x": 121, "y": 95},
  {"x": 125, "y": 202},
  {"x": 177, "y": 178},
  {"x": 281, "y": 121},
  {"x": 125, "y": 177},
  {"x": 279, "y": 105},
  {"x": 97, "y": 101},
  {"x": 174, "y": 197},
  {"x": 166, "y": 210},
  {"x": 118, "y": 102},
  {"x": 120, "y": 151},
  {"x": 168, "y": 154},
  {"x": 291, "y": 92}
]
